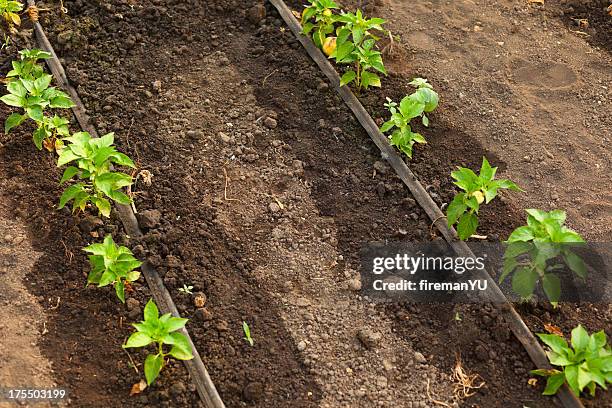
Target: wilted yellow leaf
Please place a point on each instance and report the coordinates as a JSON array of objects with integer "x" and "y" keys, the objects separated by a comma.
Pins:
[
  {"x": 553, "y": 329},
  {"x": 138, "y": 387}
]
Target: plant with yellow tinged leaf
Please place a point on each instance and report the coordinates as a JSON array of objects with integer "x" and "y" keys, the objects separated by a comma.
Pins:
[
  {"x": 463, "y": 210},
  {"x": 319, "y": 20},
  {"x": 9, "y": 10}
]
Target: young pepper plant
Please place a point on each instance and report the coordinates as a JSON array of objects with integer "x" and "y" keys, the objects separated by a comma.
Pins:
[
  {"x": 318, "y": 19},
  {"x": 355, "y": 45},
  {"x": 160, "y": 331},
  {"x": 463, "y": 210},
  {"x": 532, "y": 250},
  {"x": 93, "y": 158},
  {"x": 423, "y": 100},
  {"x": 112, "y": 265},
  {"x": 586, "y": 364},
  {"x": 33, "y": 96}
]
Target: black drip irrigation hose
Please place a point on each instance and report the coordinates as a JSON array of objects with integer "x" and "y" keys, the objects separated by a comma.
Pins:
[
  {"x": 388, "y": 152},
  {"x": 196, "y": 368}
]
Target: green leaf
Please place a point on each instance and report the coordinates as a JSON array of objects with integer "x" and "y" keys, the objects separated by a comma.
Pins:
[
  {"x": 580, "y": 338},
  {"x": 539, "y": 215},
  {"x": 348, "y": 77},
  {"x": 509, "y": 265},
  {"x": 597, "y": 341},
  {"x": 123, "y": 160},
  {"x": 515, "y": 249},
  {"x": 66, "y": 156},
  {"x": 35, "y": 112},
  {"x": 369, "y": 79},
  {"x": 425, "y": 121},
  {"x": 70, "y": 193},
  {"x": 175, "y": 323},
  {"x": 13, "y": 100},
  {"x": 486, "y": 171},
  {"x": 524, "y": 281},
  {"x": 120, "y": 197},
  {"x": 552, "y": 287},
  {"x": 69, "y": 173},
  {"x": 575, "y": 263},
  {"x": 103, "y": 206},
  {"x": 107, "y": 278},
  {"x": 16, "y": 88},
  {"x": 152, "y": 367},
  {"x": 150, "y": 311},
  {"x": 61, "y": 102},
  {"x": 410, "y": 108},
  {"x": 138, "y": 339},
  {"x": 13, "y": 120},
  {"x": 521, "y": 234},
  {"x": 42, "y": 83},
  {"x": 120, "y": 290},
  {"x": 181, "y": 348},
  {"x": 468, "y": 223},
  {"x": 553, "y": 383},
  {"x": 571, "y": 376},
  {"x": 507, "y": 184},
  {"x": 555, "y": 342},
  {"x": 387, "y": 126},
  {"x": 455, "y": 209}
]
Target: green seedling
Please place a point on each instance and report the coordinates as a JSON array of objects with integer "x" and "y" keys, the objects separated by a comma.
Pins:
[
  {"x": 112, "y": 265},
  {"x": 423, "y": 100},
  {"x": 93, "y": 158},
  {"x": 587, "y": 363},
  {"x": 28, "y": 67},
  {"x": 532, "y": 250},
  {"x": 160, "y": 331},
  {"x": 354, "y": 45},
  {"x": 33, "y": 96},
  {"x": 9, "y": 9},
  {"x": 463, "y": 210},
  {"x": 318, "y": 19},
  {"x": 247, "y": 333},
  {"x": 186, "y": 289}
]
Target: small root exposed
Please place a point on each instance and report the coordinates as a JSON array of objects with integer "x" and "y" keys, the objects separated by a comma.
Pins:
[{"x": 464, "y": 384}]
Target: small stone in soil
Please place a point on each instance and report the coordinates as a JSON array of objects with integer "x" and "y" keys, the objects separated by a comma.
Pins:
[
  {"x": 274, "y": 207},
  {"x": 369, "y": 338},
  {"x": 149, "y": 218},
  {"x": 204, "y": 314},
  {"x": 420, "y": 358},
  {"x": 270, "y": 123},
  {"x": 253, "y": 391}
]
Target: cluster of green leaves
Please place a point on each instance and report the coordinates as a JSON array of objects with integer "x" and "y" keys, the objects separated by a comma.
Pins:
[
  {"x": 586, "y": 364},
  {"x": 319, "y": 20},
  {"x": 354, "y": 41},
  {"x": 9, "y": 9},
  {"x": 92, "y": 159},
  {"x": 29, "y": 88},
  {"x": 423, "y": 100},
  {"x": 463, "y": 210},
  {"x": 112, "y": 265},
  {"x": 355, "y": 45},
  {"x": 532, "y": 251},
  {"x": 161, "y": 331}
]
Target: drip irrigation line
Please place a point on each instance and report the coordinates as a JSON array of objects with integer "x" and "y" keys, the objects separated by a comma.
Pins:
[
  {"x": 196, "y": 368},
  {"x": 388, "y": 152}
]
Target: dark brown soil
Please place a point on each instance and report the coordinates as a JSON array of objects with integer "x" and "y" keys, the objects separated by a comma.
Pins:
[
  {"x": 590, "y": 17},
  {"x": 114, "y": 52}
]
